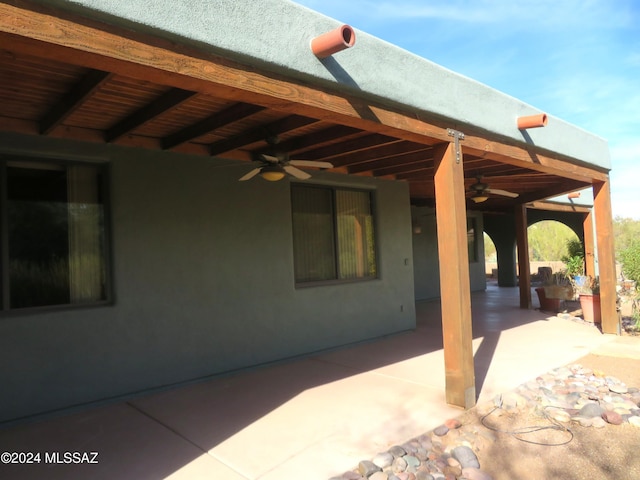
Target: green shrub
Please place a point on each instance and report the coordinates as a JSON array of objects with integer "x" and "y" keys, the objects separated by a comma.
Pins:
[
  {"x": 574, "y": 259},
  {"x": 630, "y": 258}
]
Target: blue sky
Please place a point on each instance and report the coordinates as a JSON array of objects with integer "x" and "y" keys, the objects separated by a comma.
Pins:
[{"x": 575, "y": 59}]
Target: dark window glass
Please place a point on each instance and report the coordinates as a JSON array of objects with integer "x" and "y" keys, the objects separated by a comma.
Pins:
[{"x": 55, "y": 235}]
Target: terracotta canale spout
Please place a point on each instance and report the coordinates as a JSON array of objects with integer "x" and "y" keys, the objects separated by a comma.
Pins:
[
  {"x": 532, "y": 121},
  {"x": 334, "y": 41}
]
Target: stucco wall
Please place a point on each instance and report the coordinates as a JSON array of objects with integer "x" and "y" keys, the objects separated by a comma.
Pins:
[
  {"x": 425, "y": 255},
  {"x": 203, "y": 279}
]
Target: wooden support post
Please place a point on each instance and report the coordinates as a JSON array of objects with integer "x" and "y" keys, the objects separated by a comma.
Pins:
[
  {"x": 589, "y": 245},
  {"x": 524, "y": 268},
  {"x": 606, "y": 256},
  {"x": 451, "y": 215}
]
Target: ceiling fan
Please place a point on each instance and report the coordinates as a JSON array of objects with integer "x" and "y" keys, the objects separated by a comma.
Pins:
[
  {"x": 481, "y": 190},
  {"x": 275, "y": 165}
]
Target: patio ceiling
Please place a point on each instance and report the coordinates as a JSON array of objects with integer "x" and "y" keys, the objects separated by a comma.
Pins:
[{"x": 68, "y": 78}]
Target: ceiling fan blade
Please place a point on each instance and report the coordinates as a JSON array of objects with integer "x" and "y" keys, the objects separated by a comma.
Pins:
[
  {"x": 504, "y": 193},
  {"x": 296, "y": 172},
  {"x": 269, "y": 158},
  {"x": 250, "y": 175},
  {"x": 310, "y": 163}
]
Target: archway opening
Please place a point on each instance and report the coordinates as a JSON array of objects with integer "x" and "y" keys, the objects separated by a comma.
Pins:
[
  {"x": 547, "y": 246},
  {"x": 490, "y": 257}
]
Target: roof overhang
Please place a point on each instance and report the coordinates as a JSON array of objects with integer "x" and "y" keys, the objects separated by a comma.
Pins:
[{"x": 159, "y": 78}]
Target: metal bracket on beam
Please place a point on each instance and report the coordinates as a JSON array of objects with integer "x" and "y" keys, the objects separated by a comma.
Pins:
[{"x": 457, "y": 136}]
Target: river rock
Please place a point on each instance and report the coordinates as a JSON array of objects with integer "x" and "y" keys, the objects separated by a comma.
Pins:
[
  {"x": 453, "y": 423},
  {"x": 614, "y": 418},
  {"x": 397, "y": 451},
  {"x": 379, "y": 476},
  {"x": 383, "y": 460},
  {"x": 368, "y": 468},
  {"x": 591, "y": 410},
  {"x": 475, "y": 474},
  {"x": 441, "y": 431},
  {"x": 465, "y": 456}
]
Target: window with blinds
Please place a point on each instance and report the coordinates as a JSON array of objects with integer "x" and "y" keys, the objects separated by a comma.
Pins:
[
  {"x": 333, "y": 234},
  {"x": 53, "y": 235}
]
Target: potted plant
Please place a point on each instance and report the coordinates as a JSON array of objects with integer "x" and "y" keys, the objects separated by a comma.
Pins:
[
  {"x": 574, "y": 262},
  {"x": 555, "y": 289},
  {"x": 589, "y": 294}
]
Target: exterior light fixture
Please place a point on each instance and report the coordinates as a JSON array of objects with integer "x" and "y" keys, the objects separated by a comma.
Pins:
[{"x": 272, "y": 173}]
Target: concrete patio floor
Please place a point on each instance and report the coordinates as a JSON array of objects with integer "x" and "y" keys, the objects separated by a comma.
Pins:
[{"x": 310, "y": 418}]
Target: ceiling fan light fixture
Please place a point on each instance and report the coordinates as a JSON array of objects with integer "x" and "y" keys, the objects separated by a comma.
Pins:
[
  {"x": 272, "y": 173},
  {"x": 479, "y": 197}
]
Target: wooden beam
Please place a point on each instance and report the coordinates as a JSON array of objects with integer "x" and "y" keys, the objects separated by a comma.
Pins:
[
  {"x": 259, "y": 134},
  {"x": 589, "y": 244},
  {"x": 218, "y": 120},
  {"x": 108, "y": 48},
  {"x": 558, "y": 207},
  {"x": 525, "y": 157},
  {"x": 524, "y": 268},
  {"x": 451, "y": 216},
  {"x": 606, "y": 257},
  {"x": 559, "y": 188},
  {"x": 165, "y": 102},
  {"x": 72, "y": 100}
]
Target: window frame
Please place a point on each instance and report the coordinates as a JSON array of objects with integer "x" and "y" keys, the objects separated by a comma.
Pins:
[
  {"x": 104, "y": 183},
  {"x": 334, "y": 218}
]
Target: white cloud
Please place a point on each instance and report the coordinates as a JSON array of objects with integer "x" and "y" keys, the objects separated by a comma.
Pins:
[{"x": 533, "y": 14}]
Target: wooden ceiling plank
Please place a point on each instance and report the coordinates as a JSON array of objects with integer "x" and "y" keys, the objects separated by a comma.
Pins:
[
  {"x": 380, "y": 154},
  {"x": 422, "y": 167},
  {"x": 314, "y": 139},
  {"x": 165, "y": 102},
  {"x": 287, "y": 124},
  {"x": 217, "y": 120},
  {"x": 72, "y": 100},
  {"x": 354, "y": 145},
  {"x": 425, "y": 155}
]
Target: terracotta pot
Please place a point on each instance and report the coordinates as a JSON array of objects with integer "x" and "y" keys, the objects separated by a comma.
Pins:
[
  {"x": 547, "y": 304},
  {"x": 590, "y": 304}
]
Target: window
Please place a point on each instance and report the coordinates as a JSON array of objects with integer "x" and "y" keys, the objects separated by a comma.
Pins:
[
  {"x": 53, "y": 235},
  {"x": 333, "y": 234}
]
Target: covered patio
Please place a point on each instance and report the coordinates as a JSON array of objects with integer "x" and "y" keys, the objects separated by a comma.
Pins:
[{"x": 312, "y": 417}]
